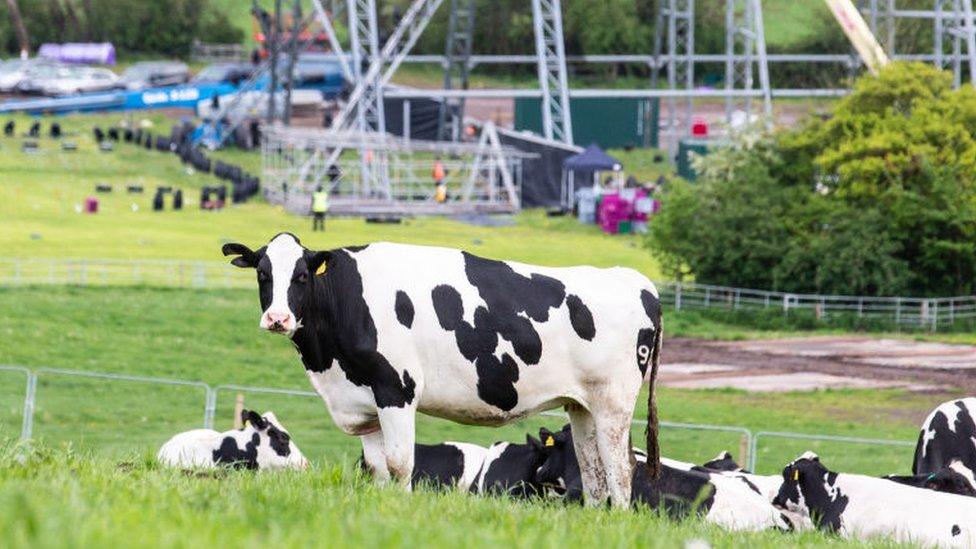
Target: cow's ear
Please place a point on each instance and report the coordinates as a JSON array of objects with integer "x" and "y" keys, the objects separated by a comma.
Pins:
[
  {"x": 317, "y": 261},
  {"x": 247, "y": 258},
  {"x": 533, "y": 442},
  {"x": 547, "y": 438},
  {"x": 253, "y": 418}
]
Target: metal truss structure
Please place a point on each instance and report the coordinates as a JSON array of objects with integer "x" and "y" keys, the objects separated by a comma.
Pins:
[
  {"x": 557, "y": 120},
  {"x": 675, "y": 30},
  {"x": 457, "y": 56},
  {"x": 745, "y": 48},
  {"x": 482, "y": 177}
]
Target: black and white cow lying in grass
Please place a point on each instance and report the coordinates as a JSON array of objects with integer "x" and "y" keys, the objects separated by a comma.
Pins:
[
  {"x": 449, "y": 465},
  {"x": 863, "y": 507},
  {"x": 681, "y": 488},
  {"x": 387, "y": 330},
  {"x": 262, "y": 444},
  {"x": 945, "y": 455}
]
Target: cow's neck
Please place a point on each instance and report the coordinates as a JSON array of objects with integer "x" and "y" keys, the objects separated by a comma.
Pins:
[{"x": 314, "y": 339}]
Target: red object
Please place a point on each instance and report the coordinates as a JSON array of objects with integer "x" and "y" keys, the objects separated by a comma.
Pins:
[
  {"x": 699, "y": 128},
  {"x": 91, "y": 205}
]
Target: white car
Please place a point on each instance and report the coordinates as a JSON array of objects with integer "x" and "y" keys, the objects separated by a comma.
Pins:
[
  {"x": 14, "y": 73},
  {"x": 69, "y": 80}
]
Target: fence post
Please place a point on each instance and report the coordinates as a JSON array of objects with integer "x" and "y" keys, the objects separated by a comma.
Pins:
[
  {"x": 736, "y": 304},
  {"x": 786, "y": 303},
  {"x": 677, "y": 296},
  {"x": 898, "y": 311},
  {"x": 27, "y": 428},
  {"x": 209, "y": 408},
  {"x": 708, "y": 296},
  {"x": 934, "y": 313}
]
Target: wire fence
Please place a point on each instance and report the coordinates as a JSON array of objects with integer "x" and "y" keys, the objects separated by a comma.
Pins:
[
  {"x": 73, "y": 423},
  {"x": 900, "y": 312}
]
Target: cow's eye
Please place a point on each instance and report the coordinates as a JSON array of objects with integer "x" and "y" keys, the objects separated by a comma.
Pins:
[
  {"x": 301, "y": 278},
  {"x": 263, "y": 276}
]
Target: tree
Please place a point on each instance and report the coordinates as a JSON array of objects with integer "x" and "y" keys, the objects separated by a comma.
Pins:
[{"x": 19, "y": 28}]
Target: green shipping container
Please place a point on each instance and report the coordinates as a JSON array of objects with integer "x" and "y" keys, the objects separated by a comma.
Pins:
[{"x": 611, "y": 123}]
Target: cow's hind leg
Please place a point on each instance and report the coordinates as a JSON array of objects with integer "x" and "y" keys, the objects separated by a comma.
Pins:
[
  {"x": 613, "y": 441},
  {"x": 588, "y": 454}
]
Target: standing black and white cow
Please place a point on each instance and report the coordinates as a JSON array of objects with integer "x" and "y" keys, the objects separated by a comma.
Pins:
[
  {"x": 864, "y": 507},
  {"x": 387, "y": 330},
  {"x": 947, "y": 442}
]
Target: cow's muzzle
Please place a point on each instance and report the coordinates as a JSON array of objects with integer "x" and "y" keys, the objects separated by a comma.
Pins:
[{"x": 279, "y": 323}]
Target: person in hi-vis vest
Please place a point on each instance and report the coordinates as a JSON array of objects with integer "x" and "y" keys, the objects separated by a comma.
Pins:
[
  {"x": 439, "y": 173},
  {"x": 320, "y": 205}
]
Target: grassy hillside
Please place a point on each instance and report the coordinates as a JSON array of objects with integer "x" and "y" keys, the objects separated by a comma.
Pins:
[{"x": 39, "y": 194}]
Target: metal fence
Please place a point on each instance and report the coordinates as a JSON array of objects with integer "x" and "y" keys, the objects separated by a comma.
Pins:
[
  {"x": 218, "y": 53},
  {"x": 913, "y": 312},
  {"x": 747, "y": 454},
  {"x": 909, "y": 312}
]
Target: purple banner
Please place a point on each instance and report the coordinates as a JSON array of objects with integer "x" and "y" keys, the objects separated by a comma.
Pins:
[{"x": 101, "y": 54}]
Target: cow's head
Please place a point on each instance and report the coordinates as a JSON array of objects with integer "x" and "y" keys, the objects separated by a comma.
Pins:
[
  {"x": 560, "y": 471},
  {"x": 286, "y": 274},
  {"x": 954, "y": 479},
  {"x": 275, "y": 450},
  {"x": 810, "y": 489}
]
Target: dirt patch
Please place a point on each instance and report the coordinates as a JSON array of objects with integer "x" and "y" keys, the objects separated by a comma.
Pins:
[{"x": 930, "y": 365}]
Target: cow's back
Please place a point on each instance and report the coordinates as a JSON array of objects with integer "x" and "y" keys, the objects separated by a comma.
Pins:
[
  {"x": 947, "y": 434},
  {"x": 509, "y": 330}
]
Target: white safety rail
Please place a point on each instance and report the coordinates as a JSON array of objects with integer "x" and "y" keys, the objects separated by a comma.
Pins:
[
  {"x": 748, "y": 442},
  {"x": 123, "y": 272},
  {"x": 926, "y": 313}
]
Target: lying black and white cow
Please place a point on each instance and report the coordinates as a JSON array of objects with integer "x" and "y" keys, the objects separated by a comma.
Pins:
[
  {"x": 387, "y": 330},
  {"x": 446, "y": 465},
  {"x": 947, "y": 443},
  {"x": 862, "y": 507},
  {"x": 954, "y": 479},
  {"x": 512, "y": 469},
  {"x": 262, "y": 444},
  {"x": 681, "y": 488}
]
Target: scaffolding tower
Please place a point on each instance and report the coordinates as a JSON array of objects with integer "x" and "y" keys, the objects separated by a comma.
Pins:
[
  {"x": 457, "y": 56},
  {"x": 745, "y": 48},
  {"x": 954, "y": 31},
  {"x": 557, "y": 123},
  {"x": 364, "y": 45},
  {"x": 675, "y": 30}
]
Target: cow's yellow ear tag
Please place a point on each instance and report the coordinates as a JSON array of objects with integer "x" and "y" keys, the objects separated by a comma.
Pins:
[
  {"x": 550, "y": 441},
  {"x": 796, "y": 475},
  {"x": 321, "y": 270},
  {"x": 247, "y": 423}
]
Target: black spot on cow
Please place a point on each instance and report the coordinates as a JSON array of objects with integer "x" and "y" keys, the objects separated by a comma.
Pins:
[
  {"x": 678, "y": 492},
  {"x": 437, "y": 466},
  {"x": 404, "y": 308},
  {"x": 496, "y": 378},
  {"x": 722, "y": 462},
  {"x": 956, "y": 530},
  {"x": 229, "y": 453},
  {"x": 513, "y": 472},
  {"x": 647, "y": 337},
  {"x": 580, "y": 317},
  {"x": 356, "y": 249},
  {"x": 512, "y": 302},
  {"x": 280, "y": 441}
]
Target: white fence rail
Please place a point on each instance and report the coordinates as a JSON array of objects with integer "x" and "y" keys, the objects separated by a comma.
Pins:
[
  {"x": 748, "y": 451},
  {"x": 909, "y": 312}
]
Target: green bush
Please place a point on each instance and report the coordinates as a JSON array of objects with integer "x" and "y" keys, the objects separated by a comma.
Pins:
[{"x": 878, "y": 199}]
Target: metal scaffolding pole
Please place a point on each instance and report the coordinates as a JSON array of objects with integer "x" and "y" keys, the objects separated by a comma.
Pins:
[
  {"x": 745, "y": 45},
  {"x": 550, "y": 53},
  {"x": 365, "y": 45},
  {"x": 954, "y": 29},
  {"x": 676, "y": 31},
  {"x": 457, "y": 56}
]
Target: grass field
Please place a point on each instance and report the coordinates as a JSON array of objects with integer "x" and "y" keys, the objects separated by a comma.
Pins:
[{"x": 72, "y": 491}]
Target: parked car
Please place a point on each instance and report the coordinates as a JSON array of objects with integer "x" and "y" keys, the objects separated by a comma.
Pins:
[
  {"x": 154, "y": 74},
  {"x": 235, "y": 73},
  {"x": 69, "y": 80},
  {"x": 14, "y": 72}
]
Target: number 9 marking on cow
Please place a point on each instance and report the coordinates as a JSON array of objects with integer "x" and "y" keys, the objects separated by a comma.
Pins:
[{"x": 643, "y": 354}]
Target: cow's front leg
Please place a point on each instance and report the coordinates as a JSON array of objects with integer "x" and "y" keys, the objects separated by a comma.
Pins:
[
  {"x": 374, "y": 456},
  {"x": 397, "y": 426}
]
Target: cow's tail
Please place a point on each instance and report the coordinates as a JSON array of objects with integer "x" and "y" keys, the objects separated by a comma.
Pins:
[{"x": 653, "y": 446}]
